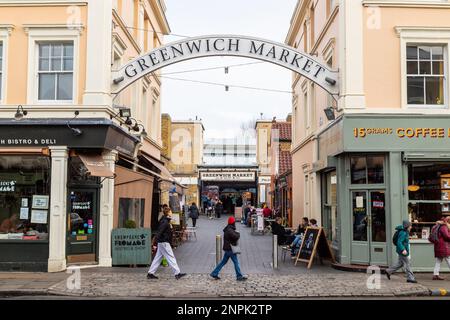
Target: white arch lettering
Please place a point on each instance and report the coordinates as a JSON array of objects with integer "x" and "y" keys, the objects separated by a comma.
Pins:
[{"x": 226, "y": 45}]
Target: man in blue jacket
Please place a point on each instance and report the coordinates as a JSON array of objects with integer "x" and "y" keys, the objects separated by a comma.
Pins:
[{"x": 403, "y": 250}]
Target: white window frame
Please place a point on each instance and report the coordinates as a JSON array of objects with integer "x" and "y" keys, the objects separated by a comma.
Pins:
[
  {"x": 423, "y": 36},
  {"x": 38, "y": 34},
  {"x": 5, "y": 32}
]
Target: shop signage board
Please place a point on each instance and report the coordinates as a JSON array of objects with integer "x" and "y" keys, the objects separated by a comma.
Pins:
[
  {"x": 314, "y": 242},
  {"x": 131, "y": 246},
  {"x": 227, "y": 45},
  {"x": 264, "y": 180},
  {"x": 228, "y": 176},
  {"x": 396, "y": 133},
  {"x": 99, "y": 134}
]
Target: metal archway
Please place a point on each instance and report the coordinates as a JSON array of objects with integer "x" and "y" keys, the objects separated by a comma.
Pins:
[{"x": 226, "y": 45}]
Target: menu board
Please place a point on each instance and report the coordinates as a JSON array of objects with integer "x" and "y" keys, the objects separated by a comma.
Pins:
[
  {"x": 314, "y": 242},
  {"x": 445, "y": 193}
]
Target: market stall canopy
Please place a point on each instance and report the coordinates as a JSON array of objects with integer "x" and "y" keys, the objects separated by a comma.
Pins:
[
  {"x": 96, "y": 165},
  {"x": 164, "y": 172}
]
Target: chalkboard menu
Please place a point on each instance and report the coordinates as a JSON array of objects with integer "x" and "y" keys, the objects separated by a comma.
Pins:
[
  {"x": 314, "y": 241},
  {"x": 174, "y": 203}
]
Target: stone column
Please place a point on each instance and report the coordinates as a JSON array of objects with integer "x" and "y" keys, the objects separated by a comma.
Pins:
[
  {"x": 106, "y": 213},
  {"x": 98, "y": 63},
  {"x": 351, "y": 55},
  {"x": 58, "y": 210}
]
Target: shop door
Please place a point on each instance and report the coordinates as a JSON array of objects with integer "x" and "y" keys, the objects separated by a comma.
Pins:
[
  {"x": 82, "y": 225},
  {"x": 369, "y": 227}
]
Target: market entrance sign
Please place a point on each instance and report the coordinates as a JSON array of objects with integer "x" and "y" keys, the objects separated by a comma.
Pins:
[
  {"x": 227, "y": 176},
  {"x": 226, "y": 45}
]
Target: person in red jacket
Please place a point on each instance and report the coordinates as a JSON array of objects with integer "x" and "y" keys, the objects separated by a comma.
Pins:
[
  {"x": 442, "y": 247},
  {"x": 267, "y": 212}
]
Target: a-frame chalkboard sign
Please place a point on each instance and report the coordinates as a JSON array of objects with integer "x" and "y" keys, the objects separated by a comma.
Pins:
[{"x": 314, "y": 241}]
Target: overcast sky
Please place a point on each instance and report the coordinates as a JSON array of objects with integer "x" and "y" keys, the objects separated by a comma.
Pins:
[{"x": 223, "y": 112}]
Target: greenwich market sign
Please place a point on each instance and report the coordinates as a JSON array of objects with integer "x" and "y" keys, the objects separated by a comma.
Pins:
[
  {"x": 225, "y": 45},
  {"x": 227, "y": 176}
]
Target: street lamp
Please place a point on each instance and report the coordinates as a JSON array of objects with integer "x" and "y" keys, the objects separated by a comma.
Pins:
[
  {"x": 329, "y": 113},
  {"x": 20, "y": 113},
  {"x": 136, "y": 128}
]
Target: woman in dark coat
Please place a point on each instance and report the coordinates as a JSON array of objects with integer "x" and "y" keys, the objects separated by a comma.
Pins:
[
  {"x": 219, "y": 209},
  {"x": 193, "y": 213},
  {"x": 442, "y": 247}
]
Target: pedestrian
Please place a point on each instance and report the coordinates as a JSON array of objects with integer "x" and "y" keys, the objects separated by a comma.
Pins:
[
  {"x": 247, "y": 211},
  {"x": 441, "y": 246},
  {"x": 267, "y": 212},
  {"x": 230, "y": 237},
  {"x": 164, "y": 250},
  {"x": 401, "y": 240},
  {"x": 193, "y": 213},
  {"x": 218, "y": 209}
]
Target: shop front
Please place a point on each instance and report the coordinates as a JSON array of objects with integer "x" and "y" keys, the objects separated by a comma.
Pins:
[
  {"x": 377, "y": 171},
  {"x": 56, "y": 192},
  {"x": 233, "y": 186}
]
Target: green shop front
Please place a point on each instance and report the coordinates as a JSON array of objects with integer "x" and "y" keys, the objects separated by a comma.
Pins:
[{"x": 376, "y": 171}]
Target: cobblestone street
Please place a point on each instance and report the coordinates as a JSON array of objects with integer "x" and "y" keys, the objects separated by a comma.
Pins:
[
  {"x": 116, "y": 283},
  {"x": 197, "y": 258}
]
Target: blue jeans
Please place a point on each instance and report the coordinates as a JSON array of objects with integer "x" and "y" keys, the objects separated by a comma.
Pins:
[
  {"x": 296, "y": 243},
  {"x": 228, "y": 255}
]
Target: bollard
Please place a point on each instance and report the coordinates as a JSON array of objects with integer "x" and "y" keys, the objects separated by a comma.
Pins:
[
  {"x": 275, "y": 251},
  {"x": 218, "y": 249}
]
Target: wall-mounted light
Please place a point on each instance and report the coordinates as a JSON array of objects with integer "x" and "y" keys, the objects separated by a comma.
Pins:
[
  {"x": 75, "y": 131},
  {"x": 20, "y": 113},
  {"x": 329, "y": 113},
  {"x": 123, "y": 113}
]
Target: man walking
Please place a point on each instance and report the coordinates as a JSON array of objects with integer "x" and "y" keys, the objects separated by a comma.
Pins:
[
  {"x": 230, "y": 237},
  {"x": 401, "y": 240},
  {"x": 164, "y": 238}
]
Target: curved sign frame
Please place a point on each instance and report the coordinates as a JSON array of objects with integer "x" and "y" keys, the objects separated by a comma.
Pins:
[{"x": 226, "y": 45}]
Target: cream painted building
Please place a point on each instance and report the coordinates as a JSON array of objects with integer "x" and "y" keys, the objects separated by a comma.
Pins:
[
  {"x": 75, "y": 162},
  {"x": 263, "y": 160},
  {"x": 382, "y": 156},
  {"x": 183, "y": 152}
]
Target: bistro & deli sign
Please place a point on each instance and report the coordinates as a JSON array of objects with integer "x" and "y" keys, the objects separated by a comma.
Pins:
[
  {"x": 227, "y": 176},
  {"x": 225, "y": 45}
]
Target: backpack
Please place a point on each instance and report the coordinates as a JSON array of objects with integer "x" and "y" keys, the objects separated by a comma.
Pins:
[
  {"x": 434, "y": 235},
  {"x": 395, "y": 237}
]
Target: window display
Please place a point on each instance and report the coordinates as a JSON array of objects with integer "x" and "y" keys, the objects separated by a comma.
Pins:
[
  {"x": 367, "y": 170},
  {"x": 131, "y": 209},
  {"x": 24, "y": 179},
  {"x": 429, "y": 196}
]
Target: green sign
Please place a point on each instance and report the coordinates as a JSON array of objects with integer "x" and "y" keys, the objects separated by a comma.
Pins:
[
  {"x": 396, "y": 133},
  {"x": 131, "y": 246}
]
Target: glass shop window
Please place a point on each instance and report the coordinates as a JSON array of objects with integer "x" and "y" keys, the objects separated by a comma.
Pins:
[
  {"x": 79, "y": 174},
  {"x": 426, "y": 75},
  {"x": 367, "y": 169},
  {"x": 24, "y": 197},
  {"x": 131, "y": 209},
  {"x": 429, "y": 196}
]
